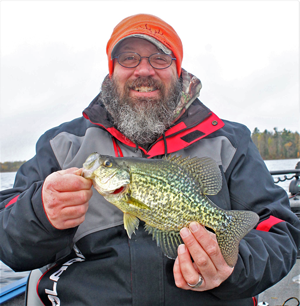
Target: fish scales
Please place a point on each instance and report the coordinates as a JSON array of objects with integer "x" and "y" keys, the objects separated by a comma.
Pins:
[
  {"x": 169, "y": 194},
  {"x": 187, "y": 200}
]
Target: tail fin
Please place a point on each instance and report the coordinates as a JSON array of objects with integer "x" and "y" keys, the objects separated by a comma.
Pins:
[{"x": 229, "y": 238}]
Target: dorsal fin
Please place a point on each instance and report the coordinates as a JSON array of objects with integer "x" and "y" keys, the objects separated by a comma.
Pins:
[{"x": 204, "y": 169}]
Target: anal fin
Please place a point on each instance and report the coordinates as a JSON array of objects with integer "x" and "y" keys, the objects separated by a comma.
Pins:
[{"x": 168, "y": 241}]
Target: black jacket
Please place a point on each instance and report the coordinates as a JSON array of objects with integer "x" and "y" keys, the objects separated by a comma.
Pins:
[{"x": 96, "y": 263}]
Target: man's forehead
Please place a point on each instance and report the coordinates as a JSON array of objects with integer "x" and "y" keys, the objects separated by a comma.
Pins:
[
  {"x": 127, "y": 42},
  {"x": 132, "y": 43}
]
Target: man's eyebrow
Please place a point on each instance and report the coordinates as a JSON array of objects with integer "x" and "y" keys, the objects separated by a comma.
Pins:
[{"x": 123, "y": 48}]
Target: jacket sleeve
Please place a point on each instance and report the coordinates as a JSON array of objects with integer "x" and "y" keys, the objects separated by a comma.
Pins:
[
  {"x": 28, "y": 240},
  {"x": 267, "y": 253}
]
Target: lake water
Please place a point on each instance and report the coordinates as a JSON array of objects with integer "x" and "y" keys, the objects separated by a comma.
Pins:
[{"x": 7, "y": 179}]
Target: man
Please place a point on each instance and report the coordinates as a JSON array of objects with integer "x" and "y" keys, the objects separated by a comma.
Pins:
[{"x": 147, "y": 107}]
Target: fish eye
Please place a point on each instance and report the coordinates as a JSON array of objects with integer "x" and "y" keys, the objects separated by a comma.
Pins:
[{"x": 107, "y": 163}]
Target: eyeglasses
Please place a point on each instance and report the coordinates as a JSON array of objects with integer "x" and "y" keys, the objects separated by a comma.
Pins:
[{"x": 132, "y": 60}]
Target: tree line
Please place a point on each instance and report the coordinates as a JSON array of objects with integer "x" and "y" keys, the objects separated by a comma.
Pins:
[
  {"x": 11, "y": 166},
  {"x": 277, "y": 144}
]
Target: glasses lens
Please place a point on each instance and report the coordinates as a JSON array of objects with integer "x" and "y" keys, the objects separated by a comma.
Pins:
[
  {"x": 129, "y": 59},
  {"x": 160, "y": 61}
]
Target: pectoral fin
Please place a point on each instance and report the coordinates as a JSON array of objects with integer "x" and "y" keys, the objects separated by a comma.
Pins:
[
  {"x": 134, "y": 202},
  {"x": 130, "y": 223}
]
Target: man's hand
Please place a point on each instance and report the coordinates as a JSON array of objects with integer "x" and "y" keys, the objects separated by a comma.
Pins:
[
  {"x": 202, "y": 246},
  {"x": 66, "y": 197}
]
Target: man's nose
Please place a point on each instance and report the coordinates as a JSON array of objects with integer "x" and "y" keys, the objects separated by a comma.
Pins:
[{"x": 144, "y": 68}]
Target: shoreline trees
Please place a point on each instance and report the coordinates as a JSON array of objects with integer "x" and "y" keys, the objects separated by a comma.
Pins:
[{"x": 277, "y": 144}]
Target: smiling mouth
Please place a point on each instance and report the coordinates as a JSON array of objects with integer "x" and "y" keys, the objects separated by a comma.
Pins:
[{"x": 144, "y": 89}]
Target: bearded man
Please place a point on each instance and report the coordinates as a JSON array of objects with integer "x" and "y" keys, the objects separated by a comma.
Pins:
[
  {"x": 142, "y": 100},
  {"x": 148, "y": 107}
]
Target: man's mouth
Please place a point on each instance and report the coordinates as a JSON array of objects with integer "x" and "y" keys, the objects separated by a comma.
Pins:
[{"x": 144, "y": 89}]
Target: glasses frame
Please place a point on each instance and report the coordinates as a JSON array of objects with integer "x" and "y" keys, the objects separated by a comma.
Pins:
[{"x": 172, "y": 59}]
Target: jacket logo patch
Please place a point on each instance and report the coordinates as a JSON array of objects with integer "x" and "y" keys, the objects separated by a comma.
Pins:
[{"x": 51, "y": 281}]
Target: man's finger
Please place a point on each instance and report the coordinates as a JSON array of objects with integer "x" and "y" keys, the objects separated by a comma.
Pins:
[
  {"x": 68, "y": 171},
  {"x": 68, "y": 182},
  {"x": 186, "y": 265},
  {"x": 209, "y": 243},
  {"x": 64, "y": 199},
  {"x": 178, "y": 277},
  {"x": 78, "y": 172}
]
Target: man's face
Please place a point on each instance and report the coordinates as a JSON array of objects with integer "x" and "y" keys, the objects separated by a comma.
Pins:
[
  {"x": 127, "y": 78},
  {"x": 141, "y": 100}
]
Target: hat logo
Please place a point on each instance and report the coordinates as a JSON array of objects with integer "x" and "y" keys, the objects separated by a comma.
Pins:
[{"x": 151, "y": 30}]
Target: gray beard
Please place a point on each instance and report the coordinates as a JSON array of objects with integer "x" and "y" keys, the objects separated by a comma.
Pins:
[{"x": 141, "y": 120}]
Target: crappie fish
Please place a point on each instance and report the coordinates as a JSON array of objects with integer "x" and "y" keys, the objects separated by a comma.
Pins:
[{"x": 168, "y": 194}]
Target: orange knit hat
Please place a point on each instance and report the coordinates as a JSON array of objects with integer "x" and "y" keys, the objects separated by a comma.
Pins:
[{"x": 148, "y": 27}]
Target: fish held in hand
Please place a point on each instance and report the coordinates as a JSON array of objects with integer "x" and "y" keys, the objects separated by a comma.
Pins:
[{"x": 168, "y": 194}]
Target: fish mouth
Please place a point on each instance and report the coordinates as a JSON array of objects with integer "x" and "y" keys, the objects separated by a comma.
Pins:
[{"x": 120, "y": 190}]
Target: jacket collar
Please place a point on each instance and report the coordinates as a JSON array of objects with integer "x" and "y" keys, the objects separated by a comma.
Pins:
[{"x": 192, "y": 121}]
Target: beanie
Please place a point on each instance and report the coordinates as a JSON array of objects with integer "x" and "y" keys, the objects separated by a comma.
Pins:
[{"x": 148, "y": 27}]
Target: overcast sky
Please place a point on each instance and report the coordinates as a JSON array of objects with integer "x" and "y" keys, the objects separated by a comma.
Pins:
[{"x": 53, "y": 61}]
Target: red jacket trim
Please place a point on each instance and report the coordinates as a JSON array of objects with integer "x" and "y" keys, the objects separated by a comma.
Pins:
[
  {"x": 182, "y": 140},
  {"x": 12, "y": 201},
  {"x": 266, "y": 225},
  {"x": 38, "y": 283},
  {"x": 118, "y": 151},
  {"x": 113, "y": 131},
  {"x": 178, "y": 137}
]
